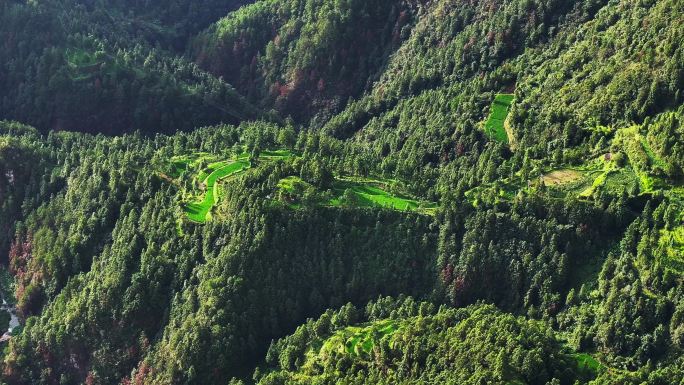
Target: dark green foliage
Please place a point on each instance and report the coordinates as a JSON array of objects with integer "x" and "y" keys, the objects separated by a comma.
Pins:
[
  {"x": 76, "y": 65},
  {"x": 305, "y": 58},
  {"x": 473, "y": 345},
  {"x": 574, "y": 230}
]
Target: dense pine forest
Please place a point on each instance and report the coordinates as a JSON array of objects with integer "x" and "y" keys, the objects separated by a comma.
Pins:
[{"x": 282, "y": 192}]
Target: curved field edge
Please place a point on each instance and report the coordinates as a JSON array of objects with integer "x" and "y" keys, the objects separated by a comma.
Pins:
[
  {"x": 494, "y": 127},
  {"x": 201, "y": 211}
]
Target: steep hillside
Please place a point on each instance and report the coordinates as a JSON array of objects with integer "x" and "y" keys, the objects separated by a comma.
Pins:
[
  {"x": 79, "y": 66},
  {"x": 305, "y": 59},
  {"x": 416, "y": 344},
  {"x": 394, "y": 192}
]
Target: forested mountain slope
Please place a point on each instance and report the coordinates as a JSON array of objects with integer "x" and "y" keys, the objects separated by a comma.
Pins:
[
  {"x": 305, "y": 58},
  {"x": 342, "y": 192},
  {"x": 109, "y": 67}
]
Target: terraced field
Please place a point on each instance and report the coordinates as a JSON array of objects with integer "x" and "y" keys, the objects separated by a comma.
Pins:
[
  {"x": 561, "y": 177},
  {"x": 673, "y": 244},
  {"x": 356, "y": 191},
  {"x": 587, "y": 363},
  {"x": 494, "y": 126},
  {"x": 359, "y": 341},
  {"x": 369, "y": 195},
  {"x": 201, "y": 211},
  {"x": 206, "y": 171}
]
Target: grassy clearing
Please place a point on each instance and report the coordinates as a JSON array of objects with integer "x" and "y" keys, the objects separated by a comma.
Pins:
[
  {"x": 276, "y": 154},
  {"x": 601, "y": 168},
  {"x": 642, "y": 159},
  {"x": 201, "y": 211},
  {"x": 84, "y": 65},
  {"x": 290, "y": 183},
  {"x": 178, "y": 167},
  {"x": 598, "y": 183},
  {"x": 586, "y": 363},
  {"x": 561, "y": 177},
  {"x": 494, "y": 126},
  {"x": 207, "y": 171},
  {"x": 352, "y": 191},
  {"x": 672, "y": 243},
  {"x": 372, "y": 196},
  {"x": 502, "y": 190},
  {"x": 379, "y": 193},
  {"x": 358, "y": 341}
]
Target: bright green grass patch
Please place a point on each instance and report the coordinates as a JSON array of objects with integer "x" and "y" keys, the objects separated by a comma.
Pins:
[
  {"x": 288, "y": 184},
  {"x": 371, "y": 195},
  {"x": 277, "y": 154},
  {"x": 200, "y": 211},
  {"x": 353, "y": 191},
  {"x": 607, "y": 168},
  {"x": 587, "y": 363},
  {"x": 292, "y": 188},
  {"x": 672, "y": 243},
  {"x": 642, "y": 158},
  {"x": 359, "y": 341},
  {"x": 78, "y": 58},
  {"x": 207, "y": 170},
  {"x": 598, "y": 182},
  {"x": 178, "y": 167},
  {"x": 652, "y": 156},
  {"x": 204, "y": 174},
  {"x": 494, "y": 126}
]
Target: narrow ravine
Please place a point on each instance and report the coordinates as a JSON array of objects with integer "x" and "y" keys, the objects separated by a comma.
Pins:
[{"x": 14, "y": 320}]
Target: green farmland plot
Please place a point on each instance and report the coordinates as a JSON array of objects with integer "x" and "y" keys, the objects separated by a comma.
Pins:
[
  {"x": 494, "y": 126},
  {"x": 352, "y": 191},
  {"x": 671, "y": 243},
  {"x": 201, "y": 211},
  {"x": 358, "y": 341},
  {"x": 373, "y": 192},
  {"x": 276, "y": 154},
  {"x": 368, "y": 195},
  {"x": 587, "y": 363},
  {"x": 207, "y": 171}
]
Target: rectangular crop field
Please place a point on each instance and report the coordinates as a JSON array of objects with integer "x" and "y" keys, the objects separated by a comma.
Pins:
[{"x": 494, "y": 127}]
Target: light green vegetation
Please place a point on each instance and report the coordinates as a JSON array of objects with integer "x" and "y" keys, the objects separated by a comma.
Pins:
[
  {"x": 499, "y": 191},
  {"x": 205, "y": 171},
  {"x": 355, "y": 341},
  {"x": 368, "y": 195},
  {"x": 274, "y": 154},
  {"x": 629, "y": 164},
  {"x": 201, "y": 211},
  {"x": 587, "y": 363},
  {"x": 600, "y": 180},
  {"x": 671, "y": 246},
  {"x": 603, "y": 173},
  {"x": 642, "y": 158},
  {"x": 579, "y": 181},
  {"x": 358, "y": 341},
  {"x": 81, "y": 62},
  {"x": 84, "y": 64},
  {"x": 290, "y": 184},
  {"x": 78, "y": 58},
  {"x": 494, "y": 126},
  {"x": 183, "y": 163},
  {"x": 352, "y": 191},
  {"x": 385, "y": 193}
]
